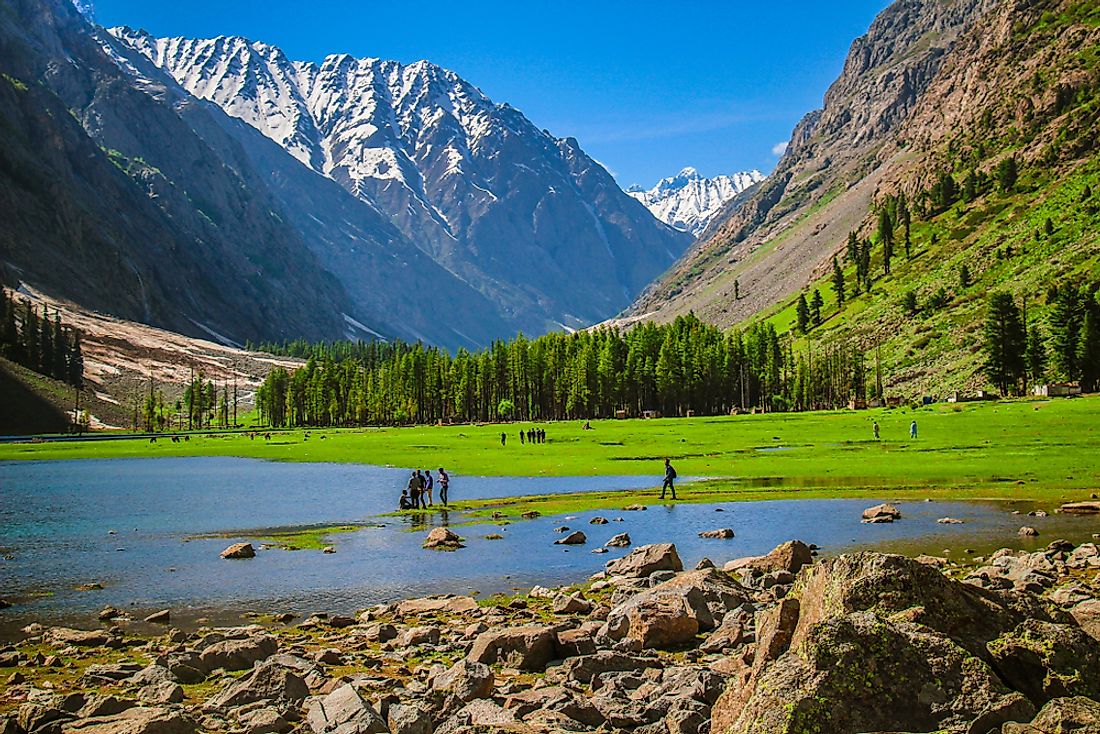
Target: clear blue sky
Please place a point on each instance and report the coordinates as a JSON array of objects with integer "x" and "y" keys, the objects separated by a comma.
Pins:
[{"x": 647, "y": 87}]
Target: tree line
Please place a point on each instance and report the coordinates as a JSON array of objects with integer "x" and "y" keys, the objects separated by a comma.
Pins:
[
  {"x": 1067, "y": 345},
  {"x": 41, "y": 343},
  {"x": 676, "y": 368}
]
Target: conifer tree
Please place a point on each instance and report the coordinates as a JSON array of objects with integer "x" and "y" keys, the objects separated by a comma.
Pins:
[
  {"x": 46, "y": 343},
  {"x": 1035, "y": 355},
  {"x": 60, "y": 366},
  {"x": 1005, "y": 342},
  {"x": 76, "y": 363},
  {"x": 964, "y": 276},
  {"x": 838, "y": 283},
  {"x": 815, "y": 307},
  {"x": 1007, "y": 174},
  {"x": 1088, "y": 354},
  {"x": 886, "y": 237},
  {"x": 1066, "y": 321},
  {"x": 802, "y": 313}
]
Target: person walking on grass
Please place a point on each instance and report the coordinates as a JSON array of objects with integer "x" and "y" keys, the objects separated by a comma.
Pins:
[
  {"x": 521, "y": 438},
  {"x": 429, "y": 483},
  {"x": 670, "y": 478},
  {"x": 874, "y": 427},
  {"x": 503, "y": 439},
  {"x": 444, "y": 485},
  {"x": 913, "y": 430}
]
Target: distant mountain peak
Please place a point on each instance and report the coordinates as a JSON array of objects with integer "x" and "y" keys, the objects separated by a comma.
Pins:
[{"x": 688, "y": 201}]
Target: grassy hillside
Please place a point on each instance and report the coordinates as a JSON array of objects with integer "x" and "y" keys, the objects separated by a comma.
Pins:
[{"x": 1001, "y": 239}]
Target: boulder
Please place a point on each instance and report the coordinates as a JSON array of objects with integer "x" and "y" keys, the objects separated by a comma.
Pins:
[
  {"x": 1028, "y": 531},
  {"x": 881, "y": 513},
  {"x": 264, "y": 720},
  {"x": 574, "y": 538},
  {"x": 161, "y": 693},
  {"x": 417, "y": 636},
  {"x": 409, "y": 719},
  {"x": 653, "y": 619},
  {"x": 528, "y": 648},
  {"x": 344, "y": 711},
  {"x": 721, "y": 533},
  {"x": 482, "y": 715},
  {"x": 1087, "y": 614},
  {"x": 239, "y": 550},
  {"x": 63, "y": 636},
  {"x": 1045, "y": 660},
  {"x": 554, "y": 698},
  {"x": 269, "y": 682},
  {"x": 443, "y": 539},
  {"x": 584, "y": 668},
  {"x": 1081, "y": 508},
  {"x": 571, "y": 604},
  {"x": 858, "y": 672},
  {"x": 598, "y": 521},
  {"x": 578, "y": 641},
  {"x": 1078, "y": 714},
  {"x": 790, "y": 556},
  {"x": 646, "y": 559},
  {"x": 164, "y": 616},
  {"x": 238, "y": 654},
  {"x": 436, "y": 605},
  {"x": 465, "y": 680},
  {"x": 139, "y": 720},
  {"x": 622, "y": 540}
]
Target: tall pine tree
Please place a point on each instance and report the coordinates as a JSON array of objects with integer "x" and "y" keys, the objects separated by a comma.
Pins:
[{"x": 1005, "y": 343}]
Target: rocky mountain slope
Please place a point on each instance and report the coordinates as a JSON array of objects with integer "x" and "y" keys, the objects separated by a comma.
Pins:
[
  {"x": 528, "y": 220},
  {"x": 108, "y": 195},
  {"x": 932, "y": 89},
  {"x": 688, "y": 202}
]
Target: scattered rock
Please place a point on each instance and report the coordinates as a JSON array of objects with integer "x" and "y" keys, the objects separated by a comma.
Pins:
[
  {"x": 1082, "y": 508},
  {"x": 328, "y": 550},
  {"x": 77, "y": 638},
  {"x": 600, "y": 550},
  {"x": 139, "y": 720},
  {"x": 238, "y": 654},
  {"x": 164, "y": 616},
  {"x": 436, "y": 605},
  {"x": 635, "y": 508},
  {"x": 574, "y": 538},
  {"x": 949, "y": 521},
  {"x": 466, "y": 680},
  {"x": 239, "y": 550},
  {"x": 790, "y": 556},
  {"x": 443, "y": 539},
  {"x": 881, "y": 513},
  {"x": 722, "y": 533},
  {"x": 526, "y": 648},
  {"x": 1028, "y": 531},
  {"x": 344, "y": 711},
  {"x": 269, "y": 681},
  {"x": 598, "y": 521},
  {"x": 531, "y": 515},
  {"x": 622, "y": 540},
  {"x": 644, "y": 560}
]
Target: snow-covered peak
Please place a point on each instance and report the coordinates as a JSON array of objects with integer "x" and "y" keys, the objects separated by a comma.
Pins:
[{"x": 688, "y": 201}]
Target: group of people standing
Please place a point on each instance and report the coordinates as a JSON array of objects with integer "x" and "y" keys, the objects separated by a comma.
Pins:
[
  {"x": 531, "y": 435},
  {"x": 418, "y": 494}
]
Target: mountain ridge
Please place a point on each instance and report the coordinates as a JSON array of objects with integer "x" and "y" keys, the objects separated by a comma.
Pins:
[{"x": 527, "y": 219}]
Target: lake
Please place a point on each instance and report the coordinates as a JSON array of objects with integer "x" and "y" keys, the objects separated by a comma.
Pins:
[{"x": 129, "y": 524}]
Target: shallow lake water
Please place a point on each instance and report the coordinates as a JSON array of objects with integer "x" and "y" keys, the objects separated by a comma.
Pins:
[{"x": 56, "y": 520}]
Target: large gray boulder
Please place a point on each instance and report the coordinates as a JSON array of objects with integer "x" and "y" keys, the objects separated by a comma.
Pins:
[
  {"x": 135, "y": 721},
  {"x": 646, "y": 559},
  {"x": 674, "y": 612},
  {"x": 268, "y": 682},
  {"x": 466, "y": 680},
  {"x": 238, "y": 654},
  {"x": 529, "y": 647},
  {"x": 1077, "y": 715},
  {"x": 344, "y": 711}
]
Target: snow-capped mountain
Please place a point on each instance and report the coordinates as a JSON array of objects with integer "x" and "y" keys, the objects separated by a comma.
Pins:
[
  {"x": 527, "y": 219},
  {"x": 687, "y": 201}
]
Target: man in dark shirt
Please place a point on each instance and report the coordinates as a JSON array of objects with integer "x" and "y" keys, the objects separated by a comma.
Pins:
[{"x": 670, "y": 477}]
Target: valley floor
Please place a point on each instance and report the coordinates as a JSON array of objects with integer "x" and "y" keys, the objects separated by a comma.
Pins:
[{"x": 1041, "y": 449}]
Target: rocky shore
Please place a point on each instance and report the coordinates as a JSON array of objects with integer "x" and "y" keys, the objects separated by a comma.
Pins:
[{"x": 865, "y": 642}]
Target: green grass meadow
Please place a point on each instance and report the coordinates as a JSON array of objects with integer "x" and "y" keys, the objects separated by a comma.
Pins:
[{"x": 1037, "y": 449}]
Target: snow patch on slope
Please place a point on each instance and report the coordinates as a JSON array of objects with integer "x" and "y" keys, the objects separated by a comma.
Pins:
[{"x": 688, "y": 202}]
